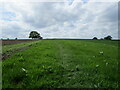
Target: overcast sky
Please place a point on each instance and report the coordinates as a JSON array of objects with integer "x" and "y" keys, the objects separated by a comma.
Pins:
[{"x": 59, "y": 19}]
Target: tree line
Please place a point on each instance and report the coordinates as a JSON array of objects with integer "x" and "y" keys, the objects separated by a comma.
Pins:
[
  {"x": 105, "y": 38},
  {"x": 36, "y": 35}
]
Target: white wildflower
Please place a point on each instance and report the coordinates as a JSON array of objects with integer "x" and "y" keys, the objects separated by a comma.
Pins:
[
  {"x": 106, "y": 64},
  {"x": 23, "y": 69},
  {"x": 101, "y": 52},
  {"x": 97, "y": 65}
]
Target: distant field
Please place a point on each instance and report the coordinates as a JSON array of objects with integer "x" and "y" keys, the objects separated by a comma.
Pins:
[
  {"x": 62, "y": 64},
  {"x": 13, "y": 41}
]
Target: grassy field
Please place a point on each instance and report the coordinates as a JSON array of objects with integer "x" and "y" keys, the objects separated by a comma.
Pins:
[{"x": 62, "y": 64}]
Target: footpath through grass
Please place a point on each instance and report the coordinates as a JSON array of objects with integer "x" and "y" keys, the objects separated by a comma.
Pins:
[
  {"x": 63, "y": 64},
  {"x": 7, "y": 48}
]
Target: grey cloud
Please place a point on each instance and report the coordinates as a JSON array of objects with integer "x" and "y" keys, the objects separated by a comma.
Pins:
[
  {"x": 110, "y": 14},
  {"x": 45, "y": 15},
  {"x": 12, "y": 29},
  {"x": 56, "y": 20}
]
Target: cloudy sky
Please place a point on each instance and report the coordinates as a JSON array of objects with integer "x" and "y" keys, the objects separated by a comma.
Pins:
[{"x": 68, "y": 19}]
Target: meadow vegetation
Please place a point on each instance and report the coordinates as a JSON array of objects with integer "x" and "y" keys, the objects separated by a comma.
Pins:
[{"x": 62, "y": 64}]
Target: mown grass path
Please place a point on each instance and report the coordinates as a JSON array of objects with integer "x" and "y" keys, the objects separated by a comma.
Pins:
[
  {"x": 8, "y": 50},
  {"x": 63, "y": 63}
]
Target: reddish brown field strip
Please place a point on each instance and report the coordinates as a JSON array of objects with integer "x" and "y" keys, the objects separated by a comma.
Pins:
[{"x": 13, "y": 41}]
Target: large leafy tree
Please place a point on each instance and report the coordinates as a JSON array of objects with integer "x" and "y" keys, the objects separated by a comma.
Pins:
[{"x": 34, "y": 34}]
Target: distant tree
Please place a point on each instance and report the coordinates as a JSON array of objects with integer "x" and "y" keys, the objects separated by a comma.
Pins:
[
  {"x": 101, "y": 38},
  {"x": 34, "y": 34},
  {"x": 108, "y": 37},
  {"x": 40, "y": 37},
  {"x": 7, "y": 38},
  {"x": 95, "y": 38},
  {"x": 15, "y": 38}
]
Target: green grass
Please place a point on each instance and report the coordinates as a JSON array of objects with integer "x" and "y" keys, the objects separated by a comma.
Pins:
[{"x": 63, "y": 64}]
